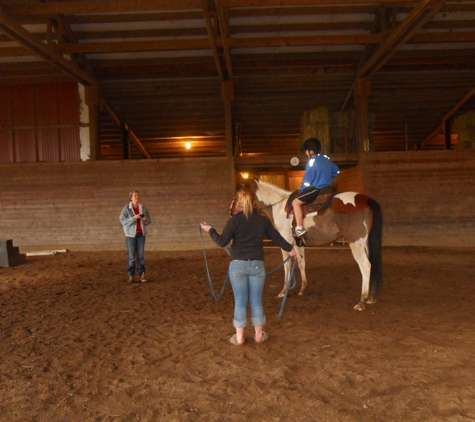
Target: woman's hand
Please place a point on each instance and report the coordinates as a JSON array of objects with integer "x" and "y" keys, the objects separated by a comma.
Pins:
[
  {"x": 293, "y": 253},
  {"x": 205, "y": 226}
]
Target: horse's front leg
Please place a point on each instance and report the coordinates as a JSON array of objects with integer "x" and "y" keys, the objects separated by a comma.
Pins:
[
  {"x": 359, "y": 251},
  {"x": 287, "y": 272},
  {"x": 301, "y": 264}
]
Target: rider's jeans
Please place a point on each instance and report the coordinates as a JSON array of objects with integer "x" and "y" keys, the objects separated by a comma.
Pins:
[{"x": 247, "y": 278}]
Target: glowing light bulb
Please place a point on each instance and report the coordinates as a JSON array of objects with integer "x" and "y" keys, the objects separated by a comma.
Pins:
[
  {"x": 245, "y": 175},
  {"x": 188, "y": 145}
]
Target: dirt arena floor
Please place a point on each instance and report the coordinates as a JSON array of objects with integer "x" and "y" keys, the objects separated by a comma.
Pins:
[{"x": 79, "y": 344}]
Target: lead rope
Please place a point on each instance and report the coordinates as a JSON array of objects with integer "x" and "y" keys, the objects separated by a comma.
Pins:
[
  {"x": 287, "y": 288},
  {"x": 207, "y": 270},
  {"x": 287, "y": 282}
]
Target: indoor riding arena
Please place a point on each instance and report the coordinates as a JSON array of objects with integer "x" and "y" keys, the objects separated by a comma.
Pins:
[{"x": 182, "y": 101}]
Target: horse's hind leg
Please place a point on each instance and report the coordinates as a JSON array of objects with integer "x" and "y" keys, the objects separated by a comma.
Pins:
[
  {"x": 360, "y": 253},
  {"x": 301, "y": 263}
]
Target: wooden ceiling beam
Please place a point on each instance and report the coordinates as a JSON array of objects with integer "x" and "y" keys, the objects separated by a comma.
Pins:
[
  {"x": 127, "y": 6},
  {"x": 15, "y": 51},
  {"x": 203, "y": 43},
  {"x": 260, "y": 42},
  {"x": 301, "y": 27},
  {"x": 377, "y": 26},
  {"x": 287, "y": 3},
  {"x": 404, "y": 31},
  {"x": 16, "y": 32},
  {"x": 306, "y": 40},
  {"x": 80, "y": 59},
  {"x": 100, "y": 6},
  {"x": 134, "y": 46},
  {"x": 223, "y": 21},
  {"x": 142, "y": 33},
  {"x": 303, "y": 10},
  {"x": 212, "y": 38}
]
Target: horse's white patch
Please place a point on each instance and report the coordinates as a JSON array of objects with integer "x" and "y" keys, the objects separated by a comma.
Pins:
[{"x": 347, "y": 197}]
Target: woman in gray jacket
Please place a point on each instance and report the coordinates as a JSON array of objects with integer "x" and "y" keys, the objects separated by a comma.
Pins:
[{"x": 134, "y": 218}]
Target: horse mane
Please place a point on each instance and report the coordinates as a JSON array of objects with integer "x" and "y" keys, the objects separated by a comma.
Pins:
[{"x": 271, "y": 193}]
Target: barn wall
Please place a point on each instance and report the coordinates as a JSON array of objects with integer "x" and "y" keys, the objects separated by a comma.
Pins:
[
  {"x": 77, "y": 205},
  {"x": 427, "y": 197},
  {"x": 39, "y": 123}
]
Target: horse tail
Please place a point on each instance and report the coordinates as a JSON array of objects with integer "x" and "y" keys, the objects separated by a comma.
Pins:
[{"x": 374, "y": 249}]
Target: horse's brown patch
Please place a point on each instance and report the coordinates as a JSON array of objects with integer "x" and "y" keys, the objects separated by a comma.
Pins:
[{"x": 339, "y": 206}]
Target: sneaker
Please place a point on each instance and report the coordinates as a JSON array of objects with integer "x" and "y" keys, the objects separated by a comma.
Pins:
[
  {"x": 130, "y": 280},
  {"x": 142, "y": 278},
  {"x": 301, "y": 232}
]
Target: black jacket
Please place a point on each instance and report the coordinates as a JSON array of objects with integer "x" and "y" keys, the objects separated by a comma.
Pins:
[{"x": 247, "y": 236}]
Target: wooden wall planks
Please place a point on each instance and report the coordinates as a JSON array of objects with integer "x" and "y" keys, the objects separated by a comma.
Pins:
[
  {"x": 77, "y": 205},
  {"x": 427, "y": 197}
]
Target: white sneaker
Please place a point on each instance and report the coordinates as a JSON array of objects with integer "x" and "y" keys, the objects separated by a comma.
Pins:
[
  {"x": 142, "y": 278},
  {"x": 300, "y": 232}
]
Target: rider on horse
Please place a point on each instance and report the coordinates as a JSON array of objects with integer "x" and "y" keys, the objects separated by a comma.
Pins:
[{"x": 319, "y": 173}]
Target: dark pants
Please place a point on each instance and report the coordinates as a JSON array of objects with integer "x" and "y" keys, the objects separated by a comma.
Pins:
[
  {"x": 135, "y": 248},
  {"x": 306, "y": 195}
]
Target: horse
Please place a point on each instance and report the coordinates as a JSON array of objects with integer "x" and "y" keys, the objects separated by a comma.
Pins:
[{"x": 350, "y": 215}]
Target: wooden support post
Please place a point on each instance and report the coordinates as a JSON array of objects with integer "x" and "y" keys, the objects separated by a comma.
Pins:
[
  {"x": 125, "y": 142},
  {"x": 362, "y": 92},
  {"x": 447, "y": 134},
  {"x": 227, "y": 96},
  {"x": 93, "y": 101},
  {"x": 406, "y": 138}
]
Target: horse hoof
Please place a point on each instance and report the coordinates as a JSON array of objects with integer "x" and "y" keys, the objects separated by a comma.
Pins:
[
  {"x": 280, "y": 295},
  {"x": 359, "y": 307},
  {"x": 300, "y": 293}
]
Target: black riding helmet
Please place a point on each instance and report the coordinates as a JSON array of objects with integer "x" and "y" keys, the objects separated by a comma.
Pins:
[{"x": 312, "y": 144}]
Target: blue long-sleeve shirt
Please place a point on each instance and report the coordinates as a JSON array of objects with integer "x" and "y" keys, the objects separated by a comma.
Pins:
[{"x": 319, "y": 172}]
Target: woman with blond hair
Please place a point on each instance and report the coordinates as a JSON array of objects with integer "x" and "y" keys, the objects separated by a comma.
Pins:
[{"x": 247, "y": 273}]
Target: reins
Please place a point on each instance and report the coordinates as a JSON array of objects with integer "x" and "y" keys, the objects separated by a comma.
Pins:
[
  {"x": 275, "y": 203},
  {"x": 287, "y": 282}
]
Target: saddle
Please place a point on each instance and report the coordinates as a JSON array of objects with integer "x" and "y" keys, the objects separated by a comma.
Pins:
[{"x": 321, "y": 202}]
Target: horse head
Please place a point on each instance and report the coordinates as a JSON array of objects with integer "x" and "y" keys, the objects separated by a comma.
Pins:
[{"x": 249, "y": 184}]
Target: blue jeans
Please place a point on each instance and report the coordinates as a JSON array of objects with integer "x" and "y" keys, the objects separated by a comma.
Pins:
[
  {"x": 135, "y": 248},
  {"x": 247, "y": 279}
]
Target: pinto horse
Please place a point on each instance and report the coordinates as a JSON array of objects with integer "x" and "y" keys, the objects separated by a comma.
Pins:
[{"x": 353, "y": 216}]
